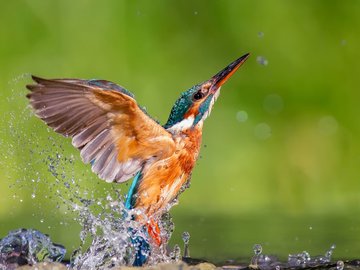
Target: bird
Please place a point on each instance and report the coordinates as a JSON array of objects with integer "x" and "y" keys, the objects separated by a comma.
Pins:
[{"x": 122, "y": 141}]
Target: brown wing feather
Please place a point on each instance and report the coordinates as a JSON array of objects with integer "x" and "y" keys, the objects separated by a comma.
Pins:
[{"x": 108, "y": 126}]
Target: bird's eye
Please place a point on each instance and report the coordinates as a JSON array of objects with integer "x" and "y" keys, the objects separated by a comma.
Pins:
[{"x": 198, "y": 95}]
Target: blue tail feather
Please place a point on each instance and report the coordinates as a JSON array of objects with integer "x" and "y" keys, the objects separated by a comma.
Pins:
[
  {"x": 142, "y": 246},
  {"x": 131, "y": 192}
]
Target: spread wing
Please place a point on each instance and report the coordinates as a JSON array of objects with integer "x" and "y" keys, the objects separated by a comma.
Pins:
[{"x": 108, "y": 127}]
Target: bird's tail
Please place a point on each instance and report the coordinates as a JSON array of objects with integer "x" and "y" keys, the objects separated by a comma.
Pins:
[
  {"x": 150, "y": 232},
  {"x": 150, "y": 235}
]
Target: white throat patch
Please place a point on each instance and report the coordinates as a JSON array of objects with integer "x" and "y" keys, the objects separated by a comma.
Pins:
[
  {"x": 189, "y": 122},
  {"x": 182, "y": 125}
]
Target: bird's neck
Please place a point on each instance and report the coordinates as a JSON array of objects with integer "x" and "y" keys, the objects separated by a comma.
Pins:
[
  {"x": 188, "y": 143},
  {"x": 186, "y": 126}
]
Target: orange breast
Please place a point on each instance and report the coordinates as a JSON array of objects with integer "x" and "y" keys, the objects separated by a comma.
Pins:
[{"x": 163, "y": 179}]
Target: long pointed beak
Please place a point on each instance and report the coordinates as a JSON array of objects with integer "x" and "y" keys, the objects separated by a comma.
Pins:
[{"x": 220, "y": 78}]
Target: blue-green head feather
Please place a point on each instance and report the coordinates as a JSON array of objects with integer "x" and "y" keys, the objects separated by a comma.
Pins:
[
  {"x": 181, "y": 106},
  {"x": 192, "y": 106}
]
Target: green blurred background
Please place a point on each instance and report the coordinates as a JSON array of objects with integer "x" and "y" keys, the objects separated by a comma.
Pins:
[{"x": 280, "y": 162}]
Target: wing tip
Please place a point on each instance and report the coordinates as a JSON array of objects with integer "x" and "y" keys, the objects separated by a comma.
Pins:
[
  {"x": 33, "y": 87},
  {"x": 38, "y": 79}
]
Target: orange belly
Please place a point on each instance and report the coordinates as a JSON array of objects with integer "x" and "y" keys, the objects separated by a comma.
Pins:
[
  {"x": 162, "y": 179},
  {"x": 160, "y": 185}
]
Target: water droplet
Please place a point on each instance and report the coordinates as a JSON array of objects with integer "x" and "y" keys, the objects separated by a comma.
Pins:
[
  {"x": 273, "y": 104},
  {"x": 299, "y": 260},
  {"x": 176, "y": 253},
  {"x": 329, "y": 253},
  {"x": 186, "y": 238},
  {"x": 310, "y": 228},
  {"x": 262, "y": 60},
  {"x": 241, "y": 116},
  {"x": 33, "y": 196},
  {"x": 257, "y": 249},
  {"x": 339, "y": 265},
  {"x": 42, "y": 220},
  {"x": 262, "y": 131},
  {"x": 306, "y": 256}
]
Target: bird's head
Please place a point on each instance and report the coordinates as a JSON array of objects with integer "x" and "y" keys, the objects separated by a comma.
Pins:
[{"x": 195, "y": 104}]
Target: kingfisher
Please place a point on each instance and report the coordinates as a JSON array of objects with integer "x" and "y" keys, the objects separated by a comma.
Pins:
[{"x": 121, "y": 141}]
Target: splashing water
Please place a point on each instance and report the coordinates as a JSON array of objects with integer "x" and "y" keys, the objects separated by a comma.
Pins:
[
  {"x": 114, "y": 236},
  {"x": 175, "y": 255},
  {"x": 23, "y": 246},
  {"x": 295, "y": 261},
  {"x": 186, "y": 239},
  {"x": 109, "y": 237},
  {"x": 262, "y": 261},
  {"x": 340, "y": 265}
]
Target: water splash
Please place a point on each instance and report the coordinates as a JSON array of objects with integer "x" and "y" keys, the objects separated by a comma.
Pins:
[
  {"x": 340, "y": 265},
  {"x": 294, "y": 261},
  {"x": 186, "y": 238},
  {"x": 107, "y": 236},
  {"x": 30, "y": 246},
  {"x": 175, "y": 254},
  {"x": 262, "y": 261},
  {"x": 257, "y": 249}
]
